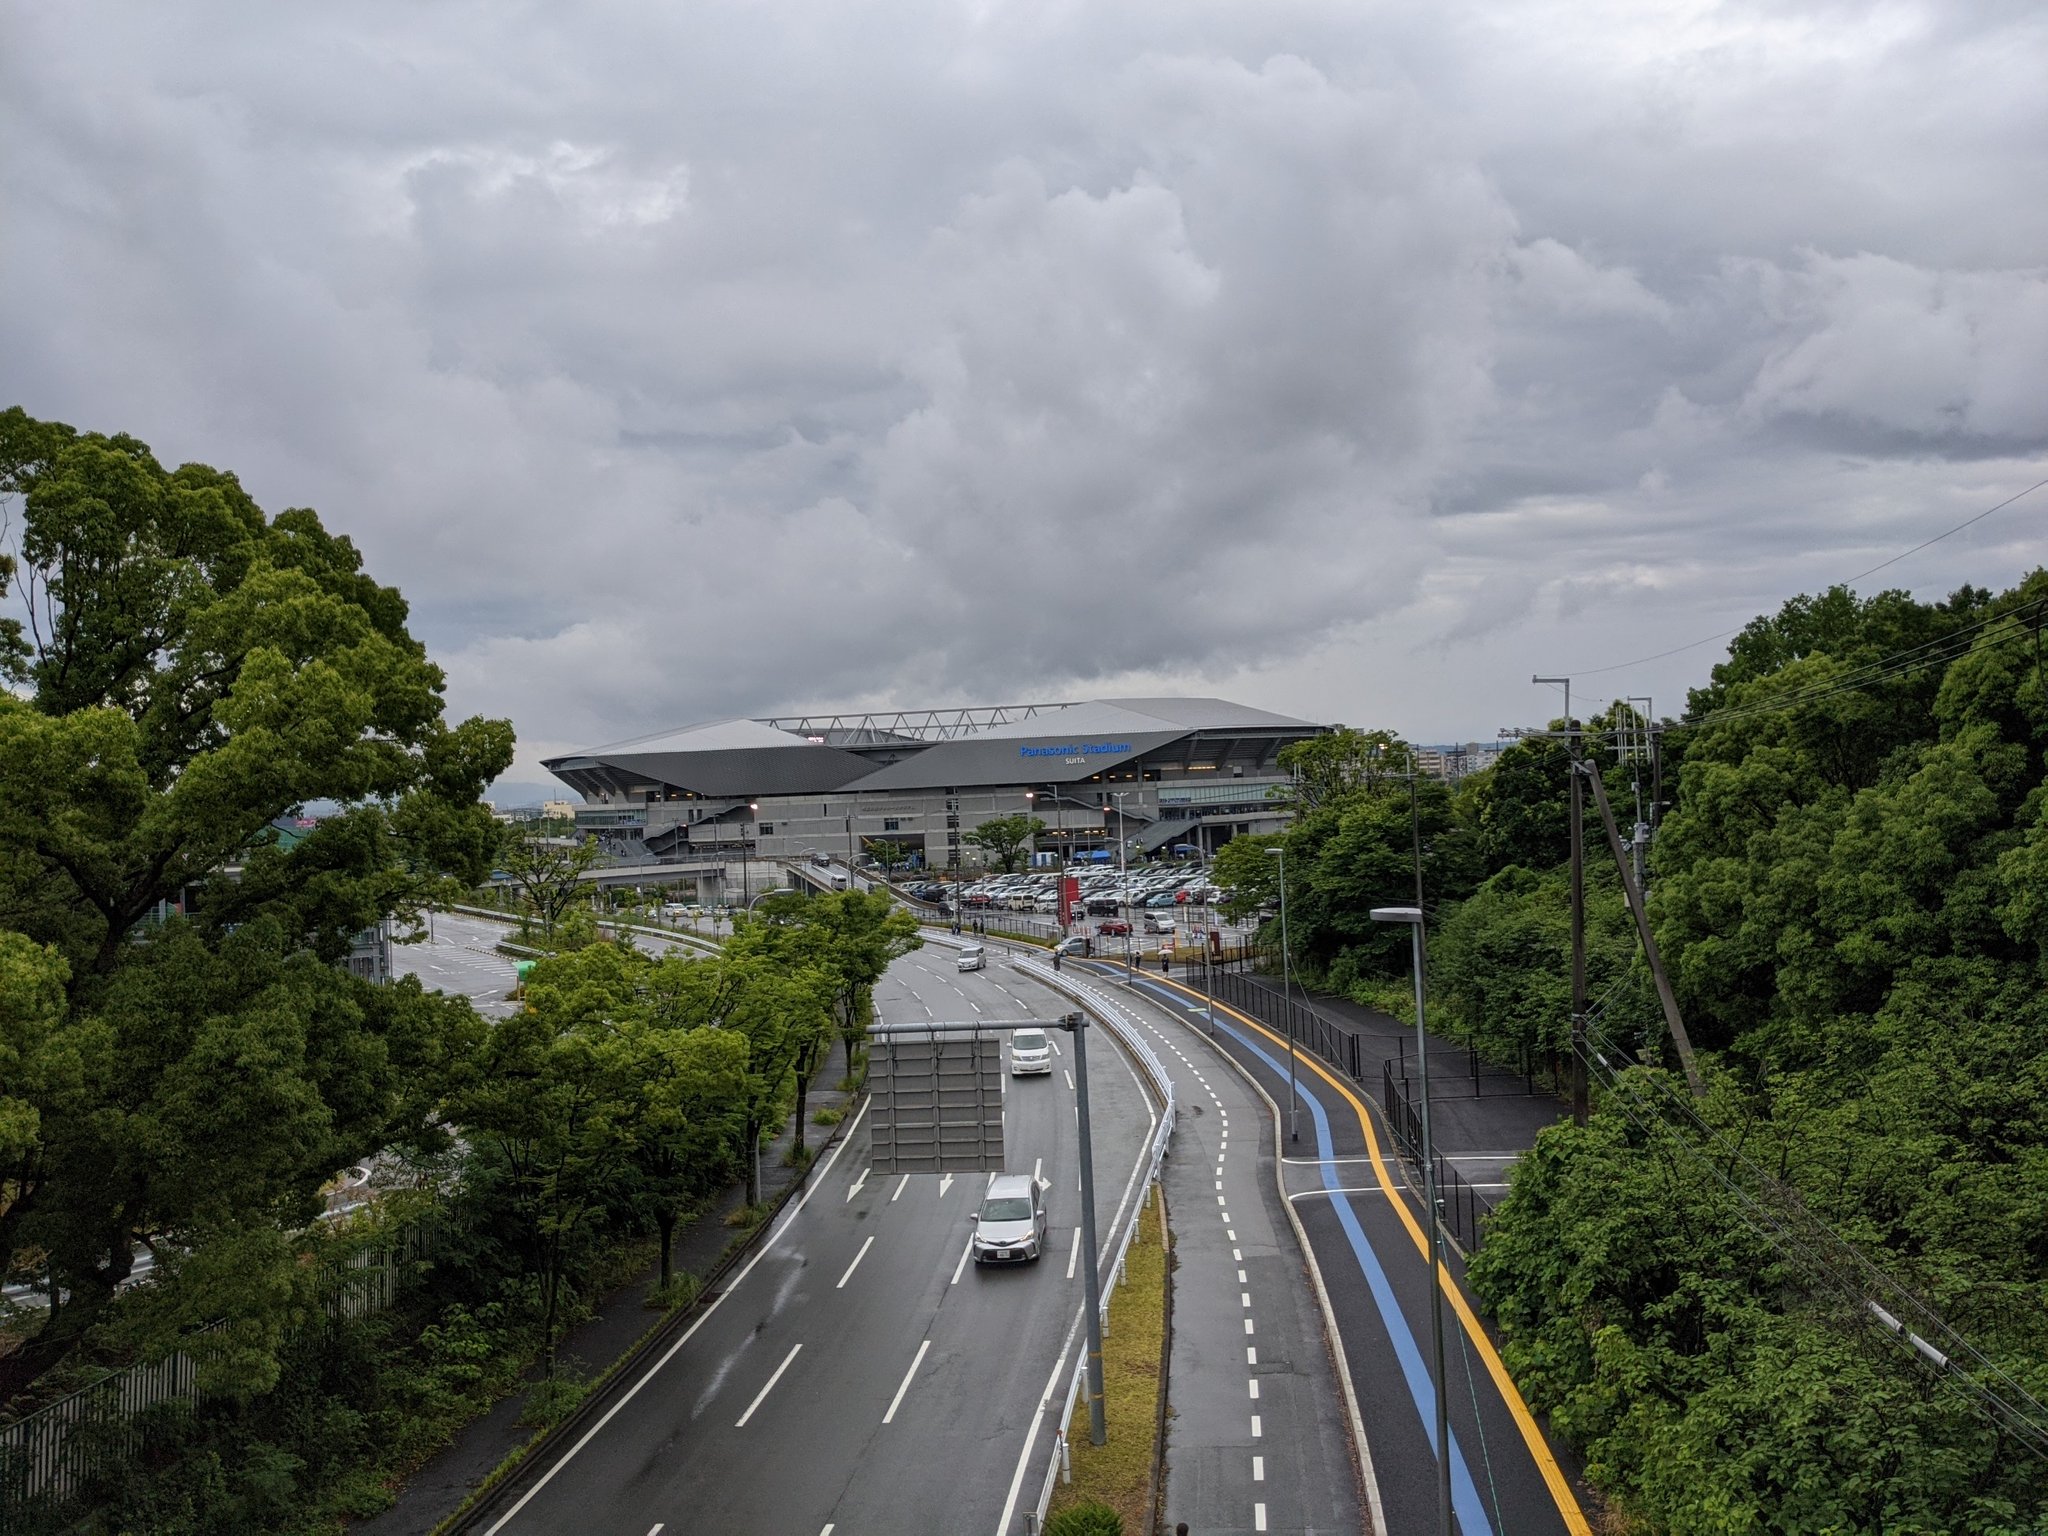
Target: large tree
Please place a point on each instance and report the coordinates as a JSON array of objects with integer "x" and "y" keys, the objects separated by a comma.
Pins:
[
  {"x": 185, "y": 672},
  {"x": 1004, "y": 838}
]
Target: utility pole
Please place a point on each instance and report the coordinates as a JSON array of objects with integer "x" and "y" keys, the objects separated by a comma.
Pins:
[
  {"x": 1076, "y": 1024},
  {"x": 1580, "y": 1094}
]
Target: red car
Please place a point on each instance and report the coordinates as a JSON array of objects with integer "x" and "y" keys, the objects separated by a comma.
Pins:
[{"x": 1112, "y": 928}]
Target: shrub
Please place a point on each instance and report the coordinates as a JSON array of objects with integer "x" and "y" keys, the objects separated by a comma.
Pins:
[{"x": 1089, "y": 1519}]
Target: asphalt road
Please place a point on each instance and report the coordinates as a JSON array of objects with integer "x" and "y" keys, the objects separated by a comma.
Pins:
[
  {"x": 1365, "y": 1226},
  {"x": 860, "y": 1374},
  {"x": 1258, "y": 1437}
]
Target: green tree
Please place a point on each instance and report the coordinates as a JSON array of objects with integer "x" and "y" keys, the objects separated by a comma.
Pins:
[
  {"x": 549, "y": 871},
  {"x": 1004, "y": 838},
  {"x": 186, "y": 672}
]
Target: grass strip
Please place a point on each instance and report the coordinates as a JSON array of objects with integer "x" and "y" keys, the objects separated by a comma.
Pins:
[{"x": 1119, "y": 1471}]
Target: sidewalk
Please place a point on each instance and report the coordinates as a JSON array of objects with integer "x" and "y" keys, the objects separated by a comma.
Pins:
[{"x": 436, "y": 1490}]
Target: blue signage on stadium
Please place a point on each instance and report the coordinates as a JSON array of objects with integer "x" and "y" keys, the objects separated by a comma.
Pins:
[{"x": 1084, "y": 749}]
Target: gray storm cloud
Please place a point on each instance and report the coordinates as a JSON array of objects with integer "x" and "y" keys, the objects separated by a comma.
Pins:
[{"x": 734, "y": 359}]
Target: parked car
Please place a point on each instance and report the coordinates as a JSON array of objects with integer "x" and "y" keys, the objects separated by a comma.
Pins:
[{"x": 1112, "y": 928}]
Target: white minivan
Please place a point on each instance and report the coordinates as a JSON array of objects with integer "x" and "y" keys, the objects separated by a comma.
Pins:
[{"x": 972, "y": 958}]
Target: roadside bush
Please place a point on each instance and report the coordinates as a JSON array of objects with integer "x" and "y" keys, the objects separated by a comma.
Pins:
[{"x": 1090, "y": 1519}]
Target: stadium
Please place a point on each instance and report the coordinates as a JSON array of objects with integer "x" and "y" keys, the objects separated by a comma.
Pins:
[{"x": 1169, "y": 772}]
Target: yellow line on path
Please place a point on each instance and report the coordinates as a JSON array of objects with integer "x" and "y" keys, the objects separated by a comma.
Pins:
[{"x": 1532, "y": 1433}]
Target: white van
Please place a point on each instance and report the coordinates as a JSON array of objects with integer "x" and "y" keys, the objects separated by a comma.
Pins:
[{"x": 972, "y": 958}]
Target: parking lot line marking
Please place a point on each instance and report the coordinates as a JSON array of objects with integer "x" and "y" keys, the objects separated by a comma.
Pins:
[
  {"x": 956, "y": 1270},
  {"x": 864, "y": 1247},
  {"x": 769, "y": 1387},
  {"x": 1258, "y": 1473},
  {"x": 857, "y": 1184},
  {"x": 900, "y": 1183},
  {"x": 897, "y": 1401}
]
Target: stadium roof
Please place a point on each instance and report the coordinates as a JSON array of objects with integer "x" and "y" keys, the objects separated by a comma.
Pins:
[{"x": 1040, "y": 744}]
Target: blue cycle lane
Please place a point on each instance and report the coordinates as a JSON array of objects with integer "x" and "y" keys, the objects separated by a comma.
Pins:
[{"x": 1379, "y": 1288}]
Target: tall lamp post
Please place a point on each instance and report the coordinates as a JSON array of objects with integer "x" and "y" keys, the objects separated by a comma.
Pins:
[
  {"x": 1413, "y": 917},
  {"x": 746, "y": 865},
  {"x": 1287, "y": 1000},
  {"x": 1123, "y": 882}
]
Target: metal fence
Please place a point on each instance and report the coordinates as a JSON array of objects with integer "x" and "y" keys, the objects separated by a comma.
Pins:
[
  {"x": 52, "y": 1460},
  {"x": 1461, "y": 1208},
  {"x": 1288, "y": 1014}
]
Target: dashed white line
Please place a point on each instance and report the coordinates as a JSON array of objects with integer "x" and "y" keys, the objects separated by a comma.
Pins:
[
  {"x": 864, "y": 1247},
  {"x": 1244, "y": 1298},
  {"x": 1251, "y": 1354},
  {"x": 1258, "y": 1473},
  {"x": 1074, "y": 1253},
  {"x": 1248, "y": 1326},
  {"x": 1257, "y": 1432},
  {"x": 1254, "y": 1385},
  {"x": 769, "y": 1387},
  {"x": 957, "y": 1268},
  {"x": 1240, "y": 1278},
  {"x": 1069, "y": 1077},
  {"x": 1258, "y": 1517},
  {"x": 897, "y": 1401}
]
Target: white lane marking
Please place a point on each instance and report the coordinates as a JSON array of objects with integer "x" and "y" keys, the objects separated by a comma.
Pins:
[
  {"x": 1068, "y": 1076},
  {"x": 1256, "y": 1431},
  {"x": 1248, "y": 1325},
  {"x": 1226, "y": 1214},
  {"x": 768, "y": 1387},
  {"x": 828, "y": 1529},
  {"x": 1221, "y": 1201},
  {"x": 1251, "y": 1354},
  {"x": 1244, "y": 1298},
  {"x": 1054, "y": 1043},
  {"x": 1232, "y": 1236},
  {"x": 857, "y": 1184},
  {"x": 957, "y": 1268},
  {"x": 897, "y": 1401},
  {"x": 1241, "y": 1279},
  {"x": 657, "y": 1529},
  {"x": 1237, "y": 1254},
  {"x": 1258, "y": 1517},
  {"x": 1258, "y": 1473},
  {"x": 1038, "y": 1170},
  {"x": 626, "y": 1397},
  {"x": 900, "y": 1183},
  {"x": 1219, "y": 1183},
  {"x": 1254, "y": 1385},
  {"x": 1074, "y": 1253},
  {"x": 864, "y": 1247}
]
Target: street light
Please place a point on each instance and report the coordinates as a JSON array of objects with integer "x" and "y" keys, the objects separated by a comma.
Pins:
[
  {"x": 1287, "y": 1006},
  {"x": 1412, "y": 916},
  {"x": 1123, "y": 881},
  {"x": 746, "y": 866}
]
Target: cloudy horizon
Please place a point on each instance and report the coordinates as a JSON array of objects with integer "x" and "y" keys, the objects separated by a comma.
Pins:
[{"x": 1354, "y": 363}]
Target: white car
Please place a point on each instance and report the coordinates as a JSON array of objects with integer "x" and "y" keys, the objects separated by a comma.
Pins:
[
  {"x": 1010, "y": 1226},
  {"x": 1030, "y": 1053},
  {"x": 972, "y": 958}
]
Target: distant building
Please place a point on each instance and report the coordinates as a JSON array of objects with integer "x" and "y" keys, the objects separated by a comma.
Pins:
[
  {"x": 558, "y": 810},
  {"x": 1457, "y": 760}
]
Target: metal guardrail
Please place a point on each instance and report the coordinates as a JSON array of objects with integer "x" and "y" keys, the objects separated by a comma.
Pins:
[{"x": 1112, "y": 1015}]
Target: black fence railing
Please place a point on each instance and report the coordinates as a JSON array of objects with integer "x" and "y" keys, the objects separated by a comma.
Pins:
[
  {"x": 1234, "y": 984},
  {"x": 1457, "y": 1072},
  {"x": 1462, "y": 1209}
]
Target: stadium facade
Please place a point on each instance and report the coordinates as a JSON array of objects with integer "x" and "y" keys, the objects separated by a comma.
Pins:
[{"x": 1173, "y": 772}]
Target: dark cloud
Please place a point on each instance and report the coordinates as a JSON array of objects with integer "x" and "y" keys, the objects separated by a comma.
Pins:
[{"x": 691, "y": 361}]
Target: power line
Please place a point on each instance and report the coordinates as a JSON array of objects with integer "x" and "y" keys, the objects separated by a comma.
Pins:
[{"x": 1690, "y": 645}]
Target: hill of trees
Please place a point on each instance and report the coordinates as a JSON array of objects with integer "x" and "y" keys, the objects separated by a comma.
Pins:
[{"x": 1850, "y": 885}]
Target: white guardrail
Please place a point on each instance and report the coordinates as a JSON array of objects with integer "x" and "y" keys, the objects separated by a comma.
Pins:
[{"x": 1103, "y": 1007}]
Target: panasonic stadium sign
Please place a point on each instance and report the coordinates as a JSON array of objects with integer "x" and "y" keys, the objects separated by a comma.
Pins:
[{"x": 1078, "y": 749}]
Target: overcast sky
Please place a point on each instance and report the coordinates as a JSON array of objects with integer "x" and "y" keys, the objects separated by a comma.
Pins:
[{"x": 1350, "y": 360}]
